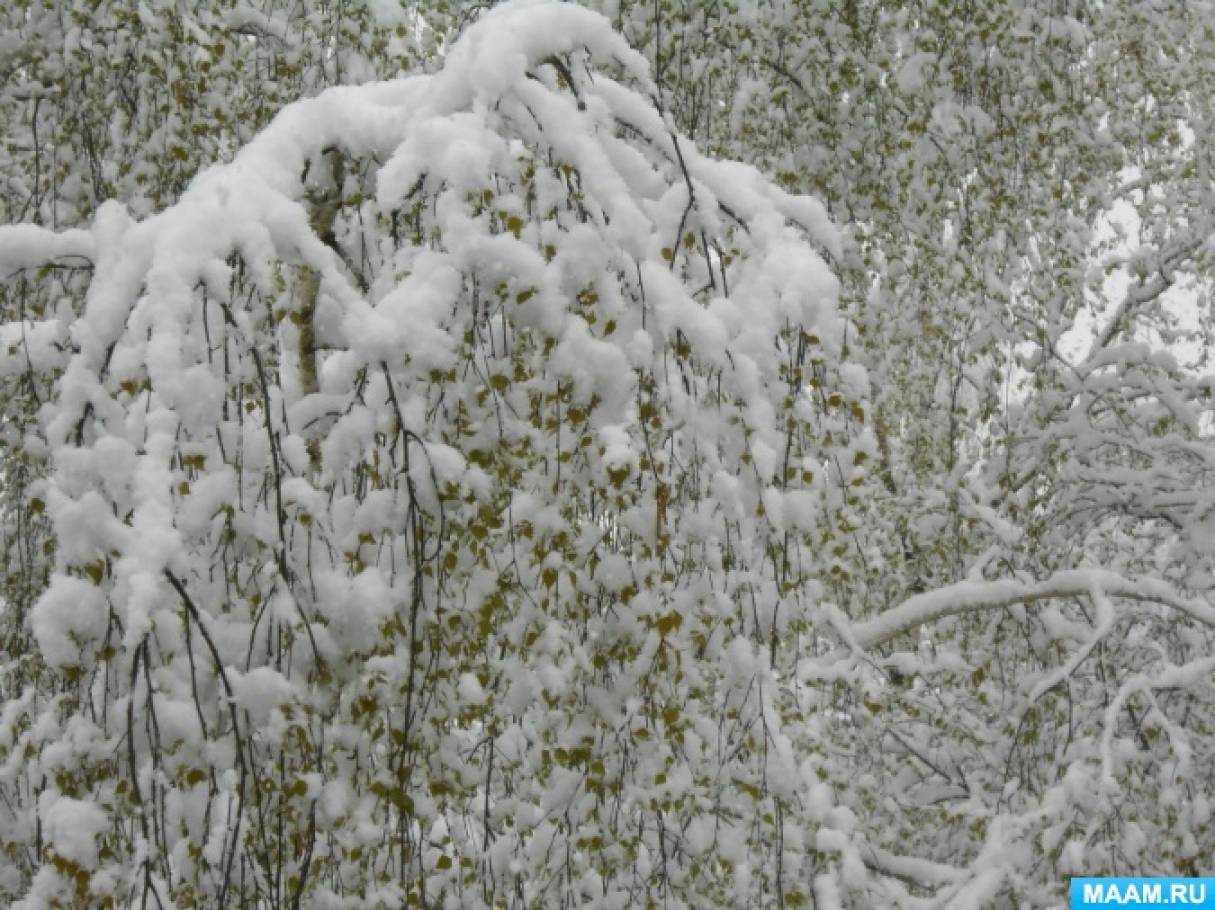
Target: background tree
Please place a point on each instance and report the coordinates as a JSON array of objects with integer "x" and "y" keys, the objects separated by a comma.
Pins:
[{"x": 977, "y": 154}]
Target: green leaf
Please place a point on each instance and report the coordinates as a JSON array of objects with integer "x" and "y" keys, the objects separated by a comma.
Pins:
[
  {"x": 95, "y": 571},
  {"x": 669, "y": 623}
]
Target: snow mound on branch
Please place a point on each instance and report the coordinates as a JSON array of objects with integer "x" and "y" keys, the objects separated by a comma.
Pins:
[{"x": 72, "y": 827}]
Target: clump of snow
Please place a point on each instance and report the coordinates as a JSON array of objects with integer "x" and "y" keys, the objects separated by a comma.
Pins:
[
  {"x": 72, "y": 827},
  {"x": 68, "y": 619},
  {"x": 260, "y": 691},
  {"x": 469, "y": 689}
]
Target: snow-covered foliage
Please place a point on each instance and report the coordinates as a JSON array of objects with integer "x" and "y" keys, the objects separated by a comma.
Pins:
[
  {"x": 476, "y": 492},
  {"x": 1024, "y": 189},
  {"x": 128, "y": 100},
  {"x": 435, "y": 493}
]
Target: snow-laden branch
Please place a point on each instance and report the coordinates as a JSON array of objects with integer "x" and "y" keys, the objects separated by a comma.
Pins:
[
  {"x": 1185, "y": 675},
  {"x": 973, "y": 596},
  {"x": 28, "y": 246},
  {"x": 922, "y": 873},
  {"x": 1141, "y": 292},
  {"x": 1106, "y": 617}
]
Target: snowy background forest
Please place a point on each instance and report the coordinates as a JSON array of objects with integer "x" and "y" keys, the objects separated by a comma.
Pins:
[{"x": 632, "y": 453}]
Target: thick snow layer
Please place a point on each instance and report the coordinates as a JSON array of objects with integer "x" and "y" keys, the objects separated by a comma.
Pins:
[
  {"x": 72, "y": 826},
  {"x": 24, "y": 246}
]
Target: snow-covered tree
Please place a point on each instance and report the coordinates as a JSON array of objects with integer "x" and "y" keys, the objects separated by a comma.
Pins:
[
  {"x": 435, "y": 493},
  {"x": 478, "y": 492},
  {"x": 993, "y": 165}
]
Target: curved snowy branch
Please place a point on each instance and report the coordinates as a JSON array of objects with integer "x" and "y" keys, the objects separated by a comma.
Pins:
[{"x": 972, "y": 597}]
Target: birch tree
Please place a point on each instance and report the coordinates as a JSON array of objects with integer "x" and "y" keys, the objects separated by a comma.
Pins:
[
  {"x": 482, "y": 489},
  {"x": 518, "y": 560}
]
